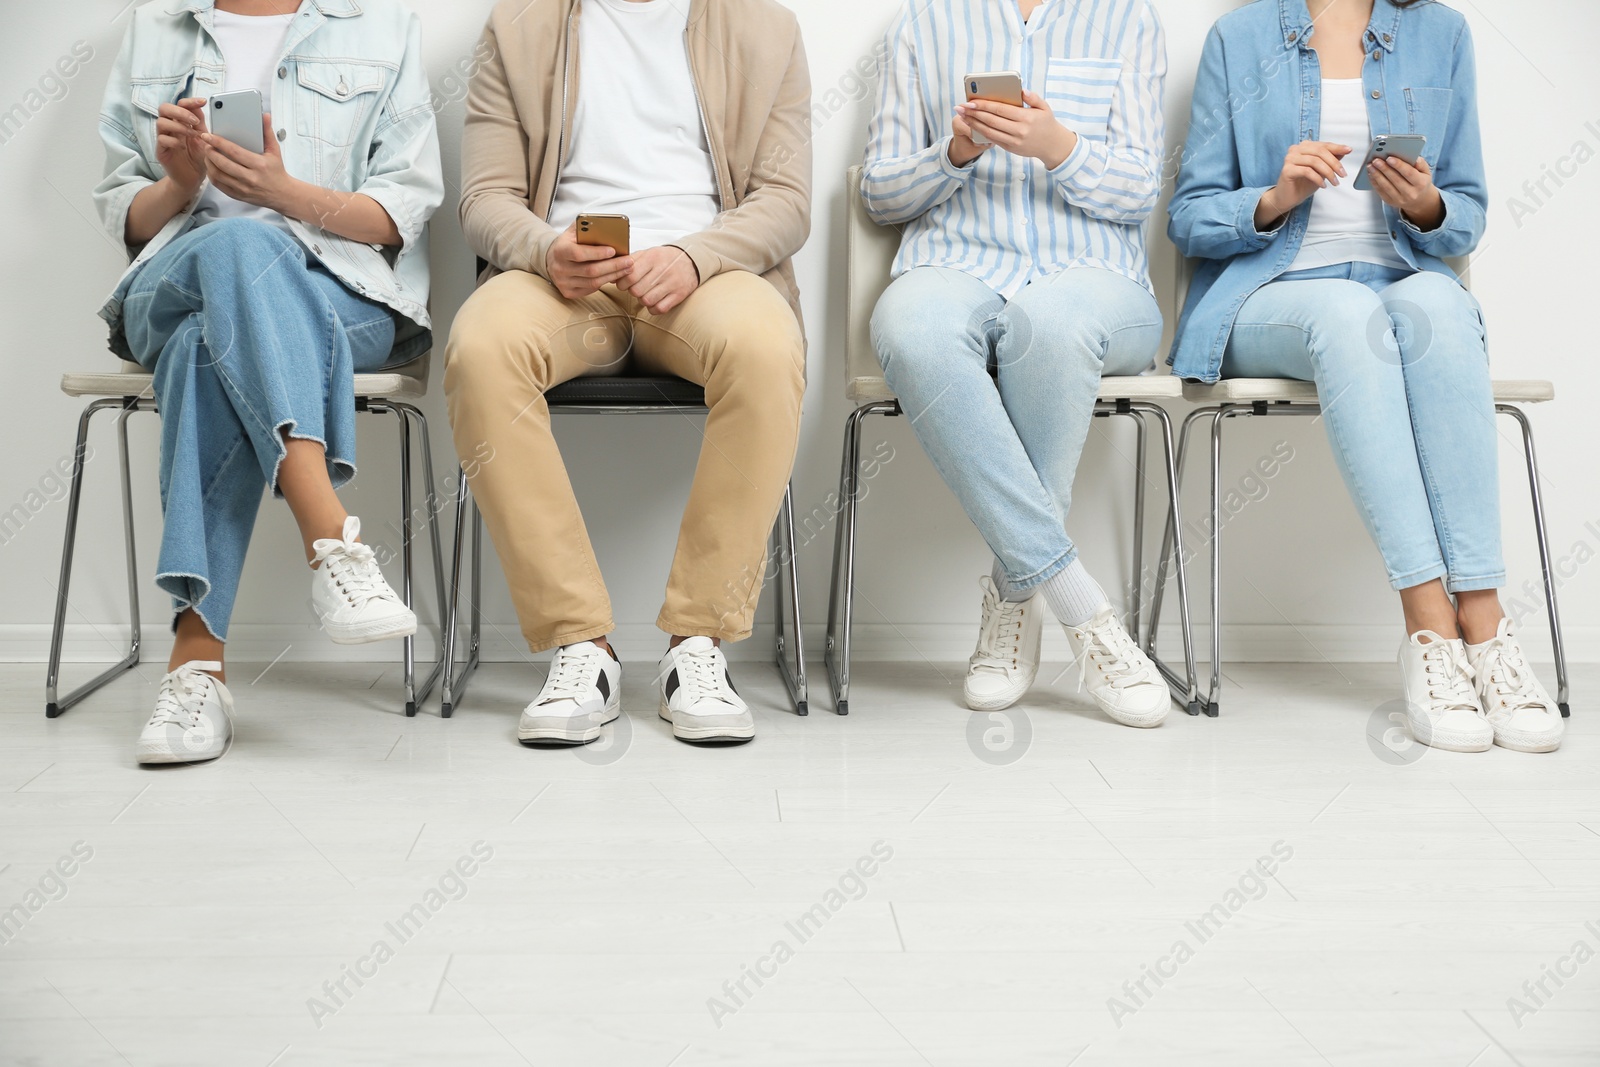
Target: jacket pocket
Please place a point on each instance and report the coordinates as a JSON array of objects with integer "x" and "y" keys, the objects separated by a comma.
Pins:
[
  {"x": 340, "y": 96},
  {"x": 1428, "y": 113},
  {"x": 1081, "y": 93},
  {"x": 147, "y": 95}
]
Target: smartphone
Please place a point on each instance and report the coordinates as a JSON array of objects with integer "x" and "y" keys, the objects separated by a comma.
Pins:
[
  {"x": 1400, "y": 146},
  {"x": 236, "y": 117},
  {"x": 608, "y": 230},
  {"x": 1001, "y": 86}
]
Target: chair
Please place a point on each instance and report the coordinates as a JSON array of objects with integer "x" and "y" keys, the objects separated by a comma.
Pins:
[
  {"x": 870, "y": 251},
  {"x": 620, "y": 395},
  {"x": 128, "y": 390},
  {"x": 1265, "y": 397}
]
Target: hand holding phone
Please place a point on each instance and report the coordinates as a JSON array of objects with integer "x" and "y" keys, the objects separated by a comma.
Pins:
[
  {"x": 612, "y": 231},
  {"x": 1001, "y": 87},
  {"x": 1390, "y": 146},
  {"x": 578, "y": 270},
  {"x": 237, "y": 117}
]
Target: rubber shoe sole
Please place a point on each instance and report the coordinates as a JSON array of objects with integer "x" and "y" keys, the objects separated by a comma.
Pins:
[
  {"x": 568, "y": 729},
  {"x": 715, "y": 732}
]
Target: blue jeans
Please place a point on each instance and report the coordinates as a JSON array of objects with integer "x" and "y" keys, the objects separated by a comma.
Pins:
[
  {"x": 1001, "y": 394},
  {"x": 1402, "y": 365},
  {"x": 247, "y": 339}
]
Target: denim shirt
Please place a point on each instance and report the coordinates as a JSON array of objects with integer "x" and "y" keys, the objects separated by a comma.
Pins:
[
  {"x": 353, "y": 111},
  {"x": 1258, "y": 93}
]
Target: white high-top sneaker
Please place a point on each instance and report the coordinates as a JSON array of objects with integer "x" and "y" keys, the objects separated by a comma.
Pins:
[
  {"x": 1006, "y": 662},
  {"x": 1520, "y": 712},
  {"x": 1119, "y": 676},
  {"x": 192, "y": 720},
  {"x": 697, "y": 695},
  {"x": 1441, "y": 707},
  {"x": 351, "y": 596},
  {"x": 582, "y": 693}
]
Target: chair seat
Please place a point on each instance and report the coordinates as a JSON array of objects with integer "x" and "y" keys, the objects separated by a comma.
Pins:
[
  {"x": 628, "y": 393},
  {"x": 408, "y": 382},
  {"x": 1152, "y": 387},
  {"x": 1285, "y": 390}
]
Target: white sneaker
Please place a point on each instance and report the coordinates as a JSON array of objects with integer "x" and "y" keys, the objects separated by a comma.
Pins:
[
  {"x": 697, "y": 695},
  {"x": 192, "y": 720},
  {"x": 1119, "y": 676},
  {"x": 581, "y": 694},
  {"x": 1006, "y": 662},
  {"x": 1441, "y": 707},
  {"x": 351, "y": 597},
  {"x": 1521, "y": 713}
]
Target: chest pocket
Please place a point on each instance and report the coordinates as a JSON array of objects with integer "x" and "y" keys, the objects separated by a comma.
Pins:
[
  {"x": 1081, "y": 92},
  {"x": 148, "y": 96},
  {"x": 1428, "y": 113},
  {"x": 339, "y": 99}
]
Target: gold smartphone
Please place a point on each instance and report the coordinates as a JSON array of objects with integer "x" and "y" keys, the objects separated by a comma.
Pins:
[
  {"x": 1001, "y": 86},
  {"x": 608, "y": 230}
]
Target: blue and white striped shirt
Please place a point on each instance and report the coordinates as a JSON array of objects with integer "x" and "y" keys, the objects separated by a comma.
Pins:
[{"x": 1101, "y": 65}]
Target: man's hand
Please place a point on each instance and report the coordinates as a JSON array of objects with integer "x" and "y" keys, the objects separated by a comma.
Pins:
[
  {"x": 1308, "y": 166},
  {"x": 579, "y": 270},
  {"x": 963, "y": 149},
  {"x": 661, "y": 278},
  {"x": 1409, "y": 190},
  {"x": 179, "y": 149},
  {"x": 1032, "y": 131},
  {"x": 250, "y": 178}
]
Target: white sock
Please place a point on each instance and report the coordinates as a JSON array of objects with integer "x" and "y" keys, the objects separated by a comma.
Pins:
[
  {"x": 1073, "y": 595},
  {"x": 997, "y": 575}
]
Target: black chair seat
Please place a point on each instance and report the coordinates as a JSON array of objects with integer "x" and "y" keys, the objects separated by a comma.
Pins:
[{"x": 627, "y": 391}]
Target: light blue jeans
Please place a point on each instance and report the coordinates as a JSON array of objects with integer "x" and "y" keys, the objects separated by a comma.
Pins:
[
  {"x": 247, "y": 338},
  {"x": 1001, "y": 394},
  {"x": 1402, "y": 365}
]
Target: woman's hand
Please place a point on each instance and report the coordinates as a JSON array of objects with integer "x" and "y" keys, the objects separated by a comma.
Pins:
[
  {"x": 963, "y": 149},
  {"x": 1409, "y": 189},
  {"x": 1032, "y": 131},
  {"x": 1308, "y": 166},
  {"x": 250, "y": 178},
  {"x": 179, "y": 149}
]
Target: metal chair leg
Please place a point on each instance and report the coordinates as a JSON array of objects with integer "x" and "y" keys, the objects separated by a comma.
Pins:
[
  {"x": 54, "y": 703},
  {"x": 454, "y": 686},
  {"x": 1136, "y": 594},
  {"x": 787, "y": 623},
  {"x": 1557, "y": 642},
  {"x": 431, "y": 499},
  {"x": 841, "y": 597},
  {"x": 1185, "y": 687},
  {"x": 1212, "y": 706},
  {"x": 410, "y": 655}
]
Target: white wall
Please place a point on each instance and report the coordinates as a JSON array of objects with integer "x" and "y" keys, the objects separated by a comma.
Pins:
[{"x": 1314, "y": 585}]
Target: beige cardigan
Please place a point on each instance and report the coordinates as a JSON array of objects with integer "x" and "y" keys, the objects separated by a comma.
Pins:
[{"x": 750, "y": 75}]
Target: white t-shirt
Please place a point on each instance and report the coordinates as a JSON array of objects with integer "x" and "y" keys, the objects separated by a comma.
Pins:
[
  {"x": 638, "y": 140},
  {"x": 1347, "y": 225},
  {"x": 252, "y": 46}
]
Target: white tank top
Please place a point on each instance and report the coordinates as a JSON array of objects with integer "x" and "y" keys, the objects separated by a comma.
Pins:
[{"x": 1347, "y": 225}]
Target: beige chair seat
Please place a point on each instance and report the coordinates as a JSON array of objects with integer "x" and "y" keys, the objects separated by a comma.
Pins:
[
  {"x": 407, "y": 382},
  {"x": 1285, "y": 390}
]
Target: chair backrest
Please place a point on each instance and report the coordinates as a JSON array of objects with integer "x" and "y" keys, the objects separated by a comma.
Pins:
[{"x": 870, "y": 250}]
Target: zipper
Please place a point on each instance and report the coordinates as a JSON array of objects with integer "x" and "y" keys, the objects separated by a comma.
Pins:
[
  {"x": 561, "y": 138},
  {"x": 705, "y": 125}
]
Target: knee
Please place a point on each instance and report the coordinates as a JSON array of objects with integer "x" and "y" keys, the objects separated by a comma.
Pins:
[
  {"x": 490, "y": 339},
  {"x": 759, "y": 348},
  {"x": 245, "y": 240},
  {"x": 913, "y": 329},
  {"x": 1430, "y": 306}
]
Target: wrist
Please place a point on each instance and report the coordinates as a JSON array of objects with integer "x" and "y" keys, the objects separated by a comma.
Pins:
[
  {"x": 178, "y": 193},
  {"x": 1063, "y": 143}
]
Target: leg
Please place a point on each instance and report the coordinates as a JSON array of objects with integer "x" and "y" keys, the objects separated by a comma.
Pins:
[
  {"x": 514, "y": 339},
  {"x": 737, "y": 337},
  {"x": 1557, "y": 643},
  {"x": 933, "y": 330}
]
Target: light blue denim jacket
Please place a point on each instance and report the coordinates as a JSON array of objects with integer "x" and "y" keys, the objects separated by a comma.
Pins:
[
  {"x": 353, "y": 110},
  {"x": 1258, "y": 93}
]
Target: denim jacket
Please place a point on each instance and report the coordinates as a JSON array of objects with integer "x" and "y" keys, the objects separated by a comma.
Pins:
[
  {"x": 353, "y": 111},
  {"x": 1257, "y": 94}
]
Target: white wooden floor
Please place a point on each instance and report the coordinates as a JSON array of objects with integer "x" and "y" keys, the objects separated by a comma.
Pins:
[{"x": 631, "y": 889}]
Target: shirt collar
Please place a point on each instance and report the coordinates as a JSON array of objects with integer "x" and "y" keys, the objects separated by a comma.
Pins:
[
  {"x": 1382, "y": 31},
  {"x": 331, "y": 8}
]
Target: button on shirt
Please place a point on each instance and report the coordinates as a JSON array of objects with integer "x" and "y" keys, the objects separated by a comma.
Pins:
[{"x": 1004, "y": 219}]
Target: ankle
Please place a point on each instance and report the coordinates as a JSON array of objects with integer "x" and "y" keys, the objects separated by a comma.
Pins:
[{"x": 676, "y": 641}]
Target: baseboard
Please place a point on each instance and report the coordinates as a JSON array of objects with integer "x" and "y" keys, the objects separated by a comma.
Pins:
[{"x": 938, "y": 642}]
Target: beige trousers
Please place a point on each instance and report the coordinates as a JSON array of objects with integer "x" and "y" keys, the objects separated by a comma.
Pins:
[{"x": 517, "y": 337}]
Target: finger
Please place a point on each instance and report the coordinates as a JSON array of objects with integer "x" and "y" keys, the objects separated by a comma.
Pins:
[
  {"x": 224, "y": 147},
  {"x": 179, "y": 116},
  {"x": 1334, "y": 159},
  {"x": 217, "y": 163},
  {"x": 607, "y": 268},
  {"x": 1318, "y": 156},
  {"x": 1037, "y": 102},
  {"x": 1321, "y": 171},
  {"x": 579, "y": 253},
  {"x": 269, "y": 136},
  {"x": 990, "y": 127},
  {"x": 1384, "y": 186},
  {"x": 1403, "y": 173}
]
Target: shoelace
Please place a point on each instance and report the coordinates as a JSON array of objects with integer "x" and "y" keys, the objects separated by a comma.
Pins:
[
  {"x": 697, "y": 673},
  {"x": 1447, "y": 663},
  {"x": 353, "y": 567},
  {"x": 173, "y": 703},
  {"x": 1507, "y": 673},
  {"x": 1111, "y": 650},
  {"x": 1000, "y": 638},
  {"x": 571, "y": 674}
]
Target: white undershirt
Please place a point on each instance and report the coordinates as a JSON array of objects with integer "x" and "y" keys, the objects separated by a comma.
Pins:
[
  {"x": 638, "y": 143},
  {"x": 1347, "y": 225},
  {"x": 251, "y": 47}
]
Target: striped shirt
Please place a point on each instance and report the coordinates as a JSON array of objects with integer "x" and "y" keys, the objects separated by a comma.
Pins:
[{"x": 1101, "y": 65}]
